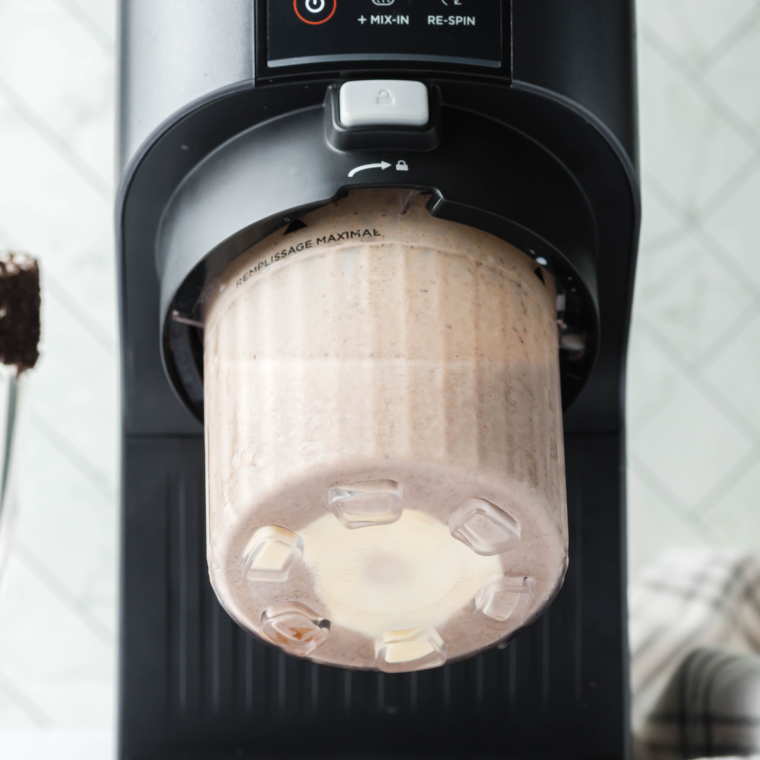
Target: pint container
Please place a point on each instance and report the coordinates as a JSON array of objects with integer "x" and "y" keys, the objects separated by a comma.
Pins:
[{"x": 386, "y": 485}]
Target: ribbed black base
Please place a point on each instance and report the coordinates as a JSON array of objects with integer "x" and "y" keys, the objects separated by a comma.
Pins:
[{"x": 194, "y": 685}]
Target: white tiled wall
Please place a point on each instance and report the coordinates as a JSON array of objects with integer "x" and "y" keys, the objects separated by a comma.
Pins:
[
  {"x": 694, "y": 377},
  {"x": 694, "y": 410},
  {"x": 58, "y": 599}
]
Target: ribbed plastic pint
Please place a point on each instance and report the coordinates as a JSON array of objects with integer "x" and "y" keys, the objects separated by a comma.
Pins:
[{"x": 386, "y": 484}]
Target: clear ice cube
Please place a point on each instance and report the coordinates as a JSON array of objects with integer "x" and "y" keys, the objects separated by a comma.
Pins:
[
  {"x": 271, "y": 554},
  {"x": 502, "y": 598},
  {"x": 295, "y": 628},
  {"x": 484, "y": 527},
  {"x": 415, "y": 649},
  {"x": 359, "y": 505}
]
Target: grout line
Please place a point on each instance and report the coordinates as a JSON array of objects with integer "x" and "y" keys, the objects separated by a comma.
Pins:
[
  {"x": 20, "y": 700},
  {"x": 719, "y": 253},
  {"x": 89, "y": 25},
  {"x": 730, "y": 188},
  {"x": 722, "y": 255},
  {"x": 744, "y": 26},
  {"x": 85, "y": 321},
  {"x": 706, "y": 388},
  {"x": 728, "y": 482},
  {"x": 722, "y": 110},
  {"x": 654, "y": 187},
  {"x": 667, "y": 239},
  {"x": 80, "y": 462},
  {"x": 719, "y": 107},
  {"x": 93, "y": 179},
  {"x": 673, "y": 502},
  {"x": 714, "y": 203},
  {"x": 636, "y": 422},
  {"x": 727, "y": 337},
  {"x": 59, "y": 590}
]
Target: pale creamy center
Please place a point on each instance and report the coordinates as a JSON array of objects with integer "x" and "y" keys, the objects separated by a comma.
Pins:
[{"x": 392, "y": 577}]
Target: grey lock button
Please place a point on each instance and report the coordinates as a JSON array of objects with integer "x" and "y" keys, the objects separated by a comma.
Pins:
[{"x": 378, "y": 102}]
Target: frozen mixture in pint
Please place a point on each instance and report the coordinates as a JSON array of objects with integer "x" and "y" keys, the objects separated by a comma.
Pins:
[{"x": 384, "y": 437}]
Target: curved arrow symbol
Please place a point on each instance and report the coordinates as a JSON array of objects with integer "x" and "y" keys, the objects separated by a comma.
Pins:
[{"x": 382, "y": 165}]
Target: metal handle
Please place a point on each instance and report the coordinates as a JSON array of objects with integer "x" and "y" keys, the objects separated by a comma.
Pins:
[{"x": 9, "y": 419}]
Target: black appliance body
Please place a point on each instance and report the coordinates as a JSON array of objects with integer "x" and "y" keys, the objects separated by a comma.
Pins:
[{"x": 231, "y": 130}]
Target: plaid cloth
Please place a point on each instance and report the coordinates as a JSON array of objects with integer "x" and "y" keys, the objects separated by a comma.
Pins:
[{"x": 695, "y": 673}]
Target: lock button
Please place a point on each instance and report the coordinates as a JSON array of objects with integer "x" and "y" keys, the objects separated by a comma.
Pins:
[{"x": 380, "y": 102}]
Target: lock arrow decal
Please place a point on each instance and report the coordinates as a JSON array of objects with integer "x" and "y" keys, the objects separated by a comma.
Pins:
[{"x": 382, "y": 165}]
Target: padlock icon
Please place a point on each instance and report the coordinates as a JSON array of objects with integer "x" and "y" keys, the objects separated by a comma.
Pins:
[
  {"x": 384, "y": 98},
  {"x": 402, "y": 166}
]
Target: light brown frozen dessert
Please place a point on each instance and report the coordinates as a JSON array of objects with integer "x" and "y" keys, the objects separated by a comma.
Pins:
[{"x": 384, "y": 437}]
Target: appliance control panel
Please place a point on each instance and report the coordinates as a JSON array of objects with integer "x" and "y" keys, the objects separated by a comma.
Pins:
[{"x": 317, "y": 32}]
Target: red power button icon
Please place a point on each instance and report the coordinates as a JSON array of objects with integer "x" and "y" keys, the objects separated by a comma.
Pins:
[{"x": 315, "y": 12}]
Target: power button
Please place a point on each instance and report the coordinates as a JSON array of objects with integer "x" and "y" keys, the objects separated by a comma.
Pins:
[{"x": 315, "y": 12}]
